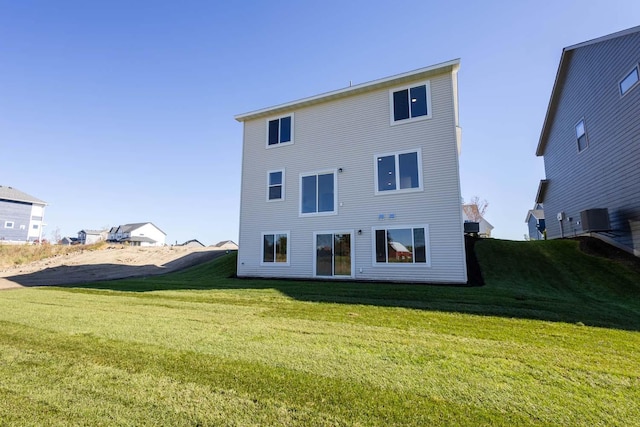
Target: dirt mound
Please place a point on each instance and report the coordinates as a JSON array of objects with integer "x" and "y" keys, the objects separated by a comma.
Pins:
[{"x": 113, "y": 262}]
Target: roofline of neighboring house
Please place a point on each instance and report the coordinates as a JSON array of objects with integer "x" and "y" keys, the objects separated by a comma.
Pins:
[
  {"x": 542, "y": 189},
  {"x": 449, "y": 66},
  {"x": 532, "y": 213},
  {"x": 142, "y": 224},
  {"x": 551, "y": 108}
]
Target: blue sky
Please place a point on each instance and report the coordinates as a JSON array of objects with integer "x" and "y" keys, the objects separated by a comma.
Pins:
[{"x": 117, "y": 112}]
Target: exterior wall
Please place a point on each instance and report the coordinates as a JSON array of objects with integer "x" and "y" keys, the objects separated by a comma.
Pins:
[
  {"x": 36, "y": 223},
  {"x": 606, "y": 174},
  {"x": 20, "y": 214},
  {"x": 150, "y": 231},
  {"x": 348, "y": 133},
  {"x": 534, "y": 233}
]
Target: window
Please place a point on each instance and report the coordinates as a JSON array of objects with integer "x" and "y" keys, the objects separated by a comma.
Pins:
[
  {"x": 400, "y": 245},
  {"x": 280, "y": 131},
  {"x": 8, "y": 224},
  {"x": 581, "y": 135},
  {"x": 317, "y": 193},
  {"x": 629, "y": 81},
  {"x": 275, "y": 188},
  {"x": 398, "y": 172},
  {"x": 411, "y": 103},
  {"x": 275, "y": 248},
  {"x": 35, "y": 226}
]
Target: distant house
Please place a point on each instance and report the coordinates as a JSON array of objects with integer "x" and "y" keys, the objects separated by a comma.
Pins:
[
  {"x": 226, "y": 244},
  {"x": 535, "y": 222},
  {"x": 137, "y": 234},
  {"x": 21, "y": 216},
  {"x": 590, "y": 141},
  {"x": 88, "y": 237},
  {"x": 193, "y": 243},
  {"x": 68, "y": 241},
  {"x": 470, "y": 213}
]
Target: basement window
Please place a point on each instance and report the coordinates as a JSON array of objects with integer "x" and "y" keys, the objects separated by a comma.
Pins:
[{"x": 8, "y": 224}]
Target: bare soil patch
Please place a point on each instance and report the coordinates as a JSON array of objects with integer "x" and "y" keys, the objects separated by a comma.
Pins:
[{"x": 112, "y": 262}]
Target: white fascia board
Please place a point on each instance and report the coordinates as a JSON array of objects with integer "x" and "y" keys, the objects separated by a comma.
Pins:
[{"x": 449, "y": 66}]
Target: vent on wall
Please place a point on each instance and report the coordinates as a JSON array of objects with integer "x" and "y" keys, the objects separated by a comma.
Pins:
[{"x": 595, "y": 220}]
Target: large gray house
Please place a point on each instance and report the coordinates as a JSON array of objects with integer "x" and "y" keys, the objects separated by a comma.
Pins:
[
  {"x": 590, "y": 142},
  {"x": 21, "y": 216}
]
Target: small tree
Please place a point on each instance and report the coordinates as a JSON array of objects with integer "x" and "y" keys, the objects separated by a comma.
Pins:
[
  {"x": 56, "y": 236},
  {"x": 477, "y": 208}
]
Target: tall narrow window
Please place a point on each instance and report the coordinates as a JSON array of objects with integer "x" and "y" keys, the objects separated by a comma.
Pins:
[
  {"x": 411, "y": 103},
  {"x": 275, "y": 189},
  {"x": 629, "y": 81},
  {"x": 317, "y": 193},
  {"x": 581, "y": 136},
  {"x": 280, "y": 131},
  {"x": 275, "y": 248}
]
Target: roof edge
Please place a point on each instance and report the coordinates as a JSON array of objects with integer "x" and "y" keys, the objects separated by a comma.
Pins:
[{"x": 451, "y": 65}]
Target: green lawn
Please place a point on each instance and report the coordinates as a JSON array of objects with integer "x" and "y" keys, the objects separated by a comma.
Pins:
[{"x": 552, "y": 339}]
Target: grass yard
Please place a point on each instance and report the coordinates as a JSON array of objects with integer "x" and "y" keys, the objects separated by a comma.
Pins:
[{"x": 553, "y": 338}]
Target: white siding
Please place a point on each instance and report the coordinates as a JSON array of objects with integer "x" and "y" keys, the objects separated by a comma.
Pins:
[
  {"x": 150, "y": 231},
  {"x": 346, "y": 134}
]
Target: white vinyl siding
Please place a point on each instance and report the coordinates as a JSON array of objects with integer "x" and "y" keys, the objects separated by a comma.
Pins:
[{"x": 346, "y": 134}]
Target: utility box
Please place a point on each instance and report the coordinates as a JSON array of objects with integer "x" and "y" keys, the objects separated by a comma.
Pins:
[
  {"x": 471, "y": 227},
  {"x": 595, "y": 220}
]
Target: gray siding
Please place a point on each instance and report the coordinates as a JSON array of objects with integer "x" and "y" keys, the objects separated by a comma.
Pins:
[
  {"x": 20, "y": 214},
  {"x": 606, "y": 174},
  {"x": 346, "y": 134}
]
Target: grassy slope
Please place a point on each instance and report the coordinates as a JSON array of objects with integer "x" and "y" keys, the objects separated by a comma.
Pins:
[{"x": 198, "y": 348}]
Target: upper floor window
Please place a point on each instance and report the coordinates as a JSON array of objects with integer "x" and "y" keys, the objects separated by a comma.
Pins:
[
  {"x": 629, "y": 81},
  {"x": 411, "y": 103},
  {"x": 403, "y": 245},
  {"x": 8, "y": 224},
  {"x": 317, "y": 193},
  {"x": 275, "y": 248},
  {"x": 581, "y": 136},
  {"x": 280, "y": 131},
  {"x": 400, "y": 171},
  {"x": 275, "y": 190}
]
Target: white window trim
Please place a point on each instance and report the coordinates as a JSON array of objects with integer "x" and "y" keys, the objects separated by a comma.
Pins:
[
  {"x": 335, "y": 193},
  {"x": 586, "y": 134},
  {"x": 398, "y": 190},
  {"x": 637, "y": 69},
  {"x": 410, "y": 119},
  {"x": 352, "y": 249},
  {"x": 9, "y": 224},
  {"x": 427, "y": 242},
  {"x": 279, "y": 144},
  {"x": 275, "y": 264},
  {"x": 269, "y": 186}
]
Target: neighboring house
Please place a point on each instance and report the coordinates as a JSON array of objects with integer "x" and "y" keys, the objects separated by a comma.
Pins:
[
  {"x": 88, "y": 237},
  {"x": 470, "y": 213},
  {"x": 21, "y": 216},
  {"x": 193, "y": 243},
  {"x": 590, "y": 141},
  {"x": 137, "y": 234},
  {"x": 535, "y": 222},
  {"x": 66, "y": 241},
  {"x": 226, "y": 245},
  {"x": 360, "y": 183}
]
